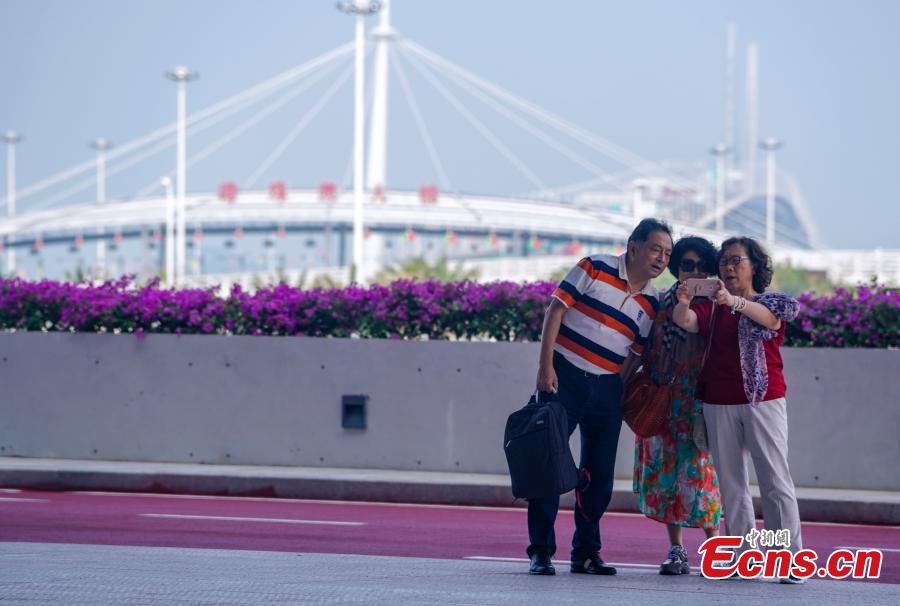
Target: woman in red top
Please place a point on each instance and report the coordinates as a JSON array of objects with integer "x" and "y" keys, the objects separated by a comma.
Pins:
[{"x": 742, "y": 387}]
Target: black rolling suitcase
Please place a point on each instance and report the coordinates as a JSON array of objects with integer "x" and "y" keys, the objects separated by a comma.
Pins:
[{"x": 536, "y": 443}]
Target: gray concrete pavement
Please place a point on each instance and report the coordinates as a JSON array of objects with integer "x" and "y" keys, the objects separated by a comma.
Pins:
[
  {"x": 816, "y": 504},
  {"x": 75, "y": 575}
]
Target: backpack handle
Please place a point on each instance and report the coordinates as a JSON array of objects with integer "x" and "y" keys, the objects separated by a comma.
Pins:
[{"x": 553, "y": 396}]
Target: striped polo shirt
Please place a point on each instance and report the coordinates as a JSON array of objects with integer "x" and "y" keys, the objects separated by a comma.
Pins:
[{"x": 602, "y": 321}]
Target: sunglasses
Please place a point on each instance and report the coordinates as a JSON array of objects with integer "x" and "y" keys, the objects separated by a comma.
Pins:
[
  {"x": 732, "y": 260},
  {"x": 690, "y": 265}
]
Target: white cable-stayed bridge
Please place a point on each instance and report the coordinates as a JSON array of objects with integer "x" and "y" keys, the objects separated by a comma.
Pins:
[{"x": 276, "y": 220}]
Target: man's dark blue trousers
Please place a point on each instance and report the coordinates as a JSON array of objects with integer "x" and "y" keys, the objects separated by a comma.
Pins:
[{"x": 593, "y": 403}]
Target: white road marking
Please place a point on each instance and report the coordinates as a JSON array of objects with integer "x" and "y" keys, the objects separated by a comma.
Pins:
[
  {"x": 98, "y": 493},
  {"x": 565, "y": 562},
  {"x": 22, "y": 500},
  {"x": 511, "y": 509},
  {"x": 849, "y": 525},
  {"x": 241, "y": 519}
]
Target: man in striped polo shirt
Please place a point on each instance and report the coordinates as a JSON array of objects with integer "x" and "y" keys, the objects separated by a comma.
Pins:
[{"x": 594, "y": 332}]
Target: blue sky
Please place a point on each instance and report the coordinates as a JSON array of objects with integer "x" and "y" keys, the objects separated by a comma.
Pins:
[{"x": 647, "y": 75}]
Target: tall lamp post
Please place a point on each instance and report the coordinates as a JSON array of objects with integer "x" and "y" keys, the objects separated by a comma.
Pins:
[
  {"x": 360, "y": 8},
  {"x": 181, "y": 76},
  {"x": 11, "y": 138},
  {"x": 170, "y": 231},
  {"x": 770, "y": 146},
  {"x": 720, "y": 152},
  {"x": 101, "y": 145},
  {"x": 637, "y": 199}
]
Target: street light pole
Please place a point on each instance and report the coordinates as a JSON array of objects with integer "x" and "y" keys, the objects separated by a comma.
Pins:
[
  {"x": 101, "y": 145},
  {"x": 170, "y": 232},
  {"x": 720, "y": 152},
  {"x": 360, "y": 8},
  {"x": 181, "y": 76},
  {"x": 11, "y": 138},
  {"x": 637, "y": 199},
  {"x": 770, "y": 145}
]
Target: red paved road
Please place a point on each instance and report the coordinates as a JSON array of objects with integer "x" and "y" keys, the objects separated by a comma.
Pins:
[{"x": 373, "y": 529}]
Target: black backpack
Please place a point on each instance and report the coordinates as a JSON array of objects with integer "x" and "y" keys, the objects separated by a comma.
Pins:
[{"x": 536, "y": 443}]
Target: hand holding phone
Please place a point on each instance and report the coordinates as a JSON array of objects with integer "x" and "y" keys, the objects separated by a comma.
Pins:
[{"x": 702, "y": 287}]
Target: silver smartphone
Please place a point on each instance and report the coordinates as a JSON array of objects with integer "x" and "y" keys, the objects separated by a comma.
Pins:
[{"x": 702, "y": 287}]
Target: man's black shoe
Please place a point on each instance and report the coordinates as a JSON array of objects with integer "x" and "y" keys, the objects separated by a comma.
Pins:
[
  {"x": 540, "y": 564},
  {"x": 594, "y": 564}
]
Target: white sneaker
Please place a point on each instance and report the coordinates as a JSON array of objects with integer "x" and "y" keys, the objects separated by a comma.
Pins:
[{"x": 676, "y": 562}]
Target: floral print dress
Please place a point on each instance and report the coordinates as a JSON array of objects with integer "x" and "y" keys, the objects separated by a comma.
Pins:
[{"x": 675, "y": 482}]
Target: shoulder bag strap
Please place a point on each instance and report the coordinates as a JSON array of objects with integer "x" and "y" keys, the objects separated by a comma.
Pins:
[{"x": 712, "y": 318}]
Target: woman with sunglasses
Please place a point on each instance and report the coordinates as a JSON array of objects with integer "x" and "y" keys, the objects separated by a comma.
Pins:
[
  {"x": 675, "y": 481},
  {"x": 742, "y": 387}
]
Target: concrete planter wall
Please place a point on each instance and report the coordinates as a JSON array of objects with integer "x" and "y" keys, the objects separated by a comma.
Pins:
[{"x": 432, "y": 405}]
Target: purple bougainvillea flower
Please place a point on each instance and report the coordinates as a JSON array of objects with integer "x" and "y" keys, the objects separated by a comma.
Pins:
[{"x": 866, "y": 316}]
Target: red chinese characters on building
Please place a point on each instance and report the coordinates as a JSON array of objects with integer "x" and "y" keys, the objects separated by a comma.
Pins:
[
  {"x": 327, "y": 191},
  {"x": 228, "y": 191},
  {"x": 278, "y": 191},
  {"x": 428, "y": 194}
]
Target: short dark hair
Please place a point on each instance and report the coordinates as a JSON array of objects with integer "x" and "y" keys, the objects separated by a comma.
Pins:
[
  {"x": 647, "y": 227},
  {"x": 762, "y": 262},
  {"x": 709, "y": 260}
]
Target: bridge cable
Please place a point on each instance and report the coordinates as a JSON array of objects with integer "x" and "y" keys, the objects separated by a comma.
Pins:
[
  {"x": 243, "y": 127},
  {"x": 427, "y": 139},
  {"x": 621, "y": 155},
  {"x": 166, "y": 143},
  {"x": 420, "y": 124},
  {"x": 526, "y": 126},
  {"x": 263, "y": 88},
  {"x": 477, "y": 124},
  {"x": 298, "y": 128}
]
